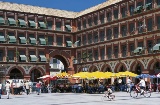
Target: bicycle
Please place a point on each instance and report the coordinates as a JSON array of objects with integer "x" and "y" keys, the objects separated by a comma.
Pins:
[
  {"x": 106, "y": 96},
  {"x": 135, "y": 91}
]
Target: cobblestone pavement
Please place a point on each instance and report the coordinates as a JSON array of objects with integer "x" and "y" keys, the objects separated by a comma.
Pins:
[{"x": 122, "y": 98}]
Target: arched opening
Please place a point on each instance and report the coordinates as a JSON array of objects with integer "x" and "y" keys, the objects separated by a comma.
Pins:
[
  {"x": 138, "y": 70},
  {"x": 156, "y": 69},
  {"x": 107, "y": 81},
  {"x": 16, "y": 74},
  {"x": 122, "y": 69},
  {"x": 35, "y": 74},
  {"x": 58, "y": 64}
]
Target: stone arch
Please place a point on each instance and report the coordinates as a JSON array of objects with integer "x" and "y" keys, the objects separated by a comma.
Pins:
[
  {"x": 93, "y": 68},
  {"x": 151, "y": 65},
  {"x": 38, "y": 68},
  {"x": 16, "y": 67},
  {"x": 63, "y": 56},
  {"x": 134, "y": 65},
  {"x": 118, "y": 67},
  {"x": 105, "y": 66}
]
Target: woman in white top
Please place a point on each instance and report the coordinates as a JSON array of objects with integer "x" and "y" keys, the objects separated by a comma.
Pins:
[{"x": 8, "y": 86}]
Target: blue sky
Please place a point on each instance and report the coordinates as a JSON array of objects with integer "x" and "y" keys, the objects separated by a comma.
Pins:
[{"x": 71, "y": 5}]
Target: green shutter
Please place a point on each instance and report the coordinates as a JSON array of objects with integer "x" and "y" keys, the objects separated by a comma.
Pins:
[
  {"x": 147, "y": 5},
  {"x": 22, "y": 22},
  {"x": 32, "y": 23},
  {"x": 42, "y": 25},
  {"x": 12, "y": 39},
  {"x": 138, "y": 49},
  {"x": 69, "y": 43},
  {"x": 23, "y": 57},
  {"x": 156, "y": 47},
  {"x": 43, "y": 58},
  {"x": 11, "y": 21},
  {"x": 32, "y": 40},
  {"x": 42, "y": 41},
  {"x": 2, "y": 39},
  {"x": 76, "y": 43},
  {"x": 33, "y": 58},
  {"x": 68, "y": 27},
  {"x": 22, "y": 40},
  {"x": 2, "y": 21}
]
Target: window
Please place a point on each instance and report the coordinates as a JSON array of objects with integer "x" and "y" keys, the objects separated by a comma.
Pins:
[
  {"x": 131, "y": 48},
  {"x": 149, "y": 46},
  {"x": 1, "y": 55},
  {"x": 116, "y": 32},
  {"x": 69, "y": 44},
  {"x": 90, "y": 53},
  {"x": 115, "y": 14},
  {"x": 79, "y": 25},
  {"x": 79, "y": 57},
  {"x": 109, "y": 16},
  {"x": 96, "y": 55},
  {"x": 109, "y": 52},
  {"x": 140, "y": 27},
  {"x": 89, "y": 38},
  {"x": 149, "y": 24},
  {"x": 95, "y": 20},
  {"x": 58, "y": 26},
  {"x": 140, "y": 44},
  {"x": 95, "y": 37},
  {"x": 123, "y": 30},
  {"x": 124, "y": 51},
  {"x": 102, "y": 53},
  {"x": 158, "y": 2},
  {"x": 158, "y": 22},
  {"x": 90, "y": 22},
  {"x": 158, "y": 41},
  {"x": 59, "y": 41},
  {"x": 79, "y": 38},
  {"x": 109, "y": 34},
  {"x": 50, "y": 40},
  {"x": 84, "y": 23},
  {"x": 116, "y": 51},
  {"x": 131, "y": 9},
  {"x": 131, "y": 28},
  {"x": 49, "y": 25},
  {"x": 102, "y": 18},
  {"x": 102, "y": 35},
  {"x": 123, "y": 12},
  {"x": 148, "y": 4},
  {"x": 139, "y": 4},
  {"x": 10, "y": 55},
  {"x": 84, "y": 39}
]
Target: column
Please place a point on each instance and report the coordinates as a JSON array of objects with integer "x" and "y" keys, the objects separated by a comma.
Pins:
[
  {"x": 36, "y": 20},
  {"x": 54, "y": 23},
  {"x": 154, "y": 22},
  {"x": 98, "y": 35},
  {"x": 27, "y": 54},
  {"x": 112, "y": 13},
  {"x": 99, "y": 54},
  {"x": 112, "y": 48},
  {"x": 128, "y": 14},
  {"x": 99, "y": 22},
  {"x": 145, "y": 45},
  {"x": 119, "y": 30},
  {"x": 119, "y": 11},
  {"x": 135, "y": 27},
  {"x": 127, "y": 49},
  {"x": 105, "y": 53},
  {"x": 105, "y": 33},
  {"x": 63, "y": 25},
  {"x": 6, "y": 54},
  {"x": 63, "y": 43},
  {"x": 127, "y": 23},
  {"x": 119, "y": 50},
  {"x": 105, "y": 16},
  {"x": 16, "y": 16}
]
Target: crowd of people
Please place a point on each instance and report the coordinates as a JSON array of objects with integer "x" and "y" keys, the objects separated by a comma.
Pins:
[{"x": 89, "y": 87}]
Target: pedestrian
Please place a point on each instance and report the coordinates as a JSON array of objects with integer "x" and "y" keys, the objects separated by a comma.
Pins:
[
  {"x": 0, "y": 89},
  {"x": 30, "y": 86},
  {"x": 129, "y": 85},
  {"x": 27, "y": 87},
  {"x": 8, "y": 86},
  {"x": 38, "y": 86}
]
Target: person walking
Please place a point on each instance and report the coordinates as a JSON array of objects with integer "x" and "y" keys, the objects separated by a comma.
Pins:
[
  {"x": 8, "y": 86},
  {"x": 27, "y": 87},
  {"x": 129, "y": 85},
  {"x": 0, "y": 89},
  {"x": 38, "y": 86}
]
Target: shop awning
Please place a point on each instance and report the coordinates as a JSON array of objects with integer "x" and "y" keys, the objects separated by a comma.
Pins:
[
  {"x": 12, "y": 39},
  {"x": 138, "y": 49},
  {"x": 22, "y": 40},
  {"x": 156, "y": 47},
  {"x": 76, "y": 43},
  {"x": 22, "y": 22},
  {"x": 42, "y": 25},
  {"x": 32, "y": 23},
  {"x": 42, "y": 58},
  {"x": 11, "y": 21},
  {"x": 68, "y": 27},
  {"x": 69, "y": 43},
  {"x": 23, "y": 57},
  {"x": 42, "y": 41},
  {"x": 2, "y": 39},
  {"x": 147, "y": 5},
  {"x": 2, "y": 21},
  {"x": 33, "y": 58},
  {"x": 32, "y": 40}
]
